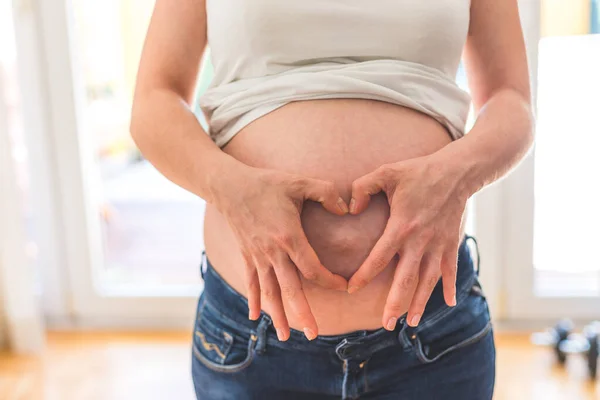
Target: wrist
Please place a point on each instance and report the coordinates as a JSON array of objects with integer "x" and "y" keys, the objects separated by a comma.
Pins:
[
  {"x": 461, "y": 169},
  {"x": 221, "y": 178}
]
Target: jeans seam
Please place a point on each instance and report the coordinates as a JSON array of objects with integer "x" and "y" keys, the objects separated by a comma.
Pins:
[
  {"x": 366, "y": 365},
  {"x": 233, "y": 324},
  {"x": 466, "y": 342},
  {"x": 200, "y": 309}
]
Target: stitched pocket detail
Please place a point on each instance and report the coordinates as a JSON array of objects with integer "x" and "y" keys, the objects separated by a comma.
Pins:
[
  {"x": 454, "y": 328},
  {"x": 211, "y": 346},
  {"x": 201, "y": 355},
  {"x": 423, "y": 351},
  {"x": 219, "y": 345}
]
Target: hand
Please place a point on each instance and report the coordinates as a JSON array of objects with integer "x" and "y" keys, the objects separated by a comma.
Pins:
[
  {"x": 426, "y": 208},
  {"x": 263, "y": 209}
]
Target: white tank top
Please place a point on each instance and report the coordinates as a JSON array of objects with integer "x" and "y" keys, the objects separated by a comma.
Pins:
[{"x": 267, "y": 53}]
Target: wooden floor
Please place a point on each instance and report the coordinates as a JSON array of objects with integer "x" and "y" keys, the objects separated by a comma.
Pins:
[{"x": 103, "y": 366}]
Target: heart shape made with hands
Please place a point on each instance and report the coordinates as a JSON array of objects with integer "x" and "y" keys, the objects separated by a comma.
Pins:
[{"x": 425, "y": 234}]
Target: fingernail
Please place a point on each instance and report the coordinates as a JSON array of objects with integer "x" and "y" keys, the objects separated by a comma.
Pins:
[
  {"x": 310, "y": 335},
  {"x": 342, "y": 205},
  {"x": 453, "y": 303},
  {"x": 391, "y": 324},
  {"x": 415, "y": 320},
  {"x": 280, "y": 334},
  {"x": 352, "y": 205},
  {"x": 352, "y": 289}
]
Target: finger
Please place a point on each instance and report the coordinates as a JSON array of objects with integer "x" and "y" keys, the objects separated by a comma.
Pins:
[
  {"x": 307, "y": 262},
  {"x": 449, "y": 265},
  {"x": 325, "y": 193},
  {"x": 406, "y": 279},
  {"x": 364, "y": 187},
  {"x": 429, "y": 276},
  {"x": 271, "y": 298},
  {"x": 293, "y": 295},
  {"x": 253, "y": 286},
  {"x": 379, "y": 258}
]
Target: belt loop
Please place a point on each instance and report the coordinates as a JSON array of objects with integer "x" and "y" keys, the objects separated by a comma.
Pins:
[
  {"x": 203, "y": 264},
  {"x": 469, "y": 237},
  {"x": 403, "y": 335},
  {"x": 261, "y": 333}
]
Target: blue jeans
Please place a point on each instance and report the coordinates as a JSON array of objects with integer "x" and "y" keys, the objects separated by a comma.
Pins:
[{"x": 450, "y": 355}]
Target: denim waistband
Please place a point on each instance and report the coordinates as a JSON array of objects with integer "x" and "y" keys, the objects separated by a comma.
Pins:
[{"x": 233, "y": 306}]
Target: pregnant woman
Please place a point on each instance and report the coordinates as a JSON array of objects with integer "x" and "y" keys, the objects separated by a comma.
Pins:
[{"x": 336, "y": 171}]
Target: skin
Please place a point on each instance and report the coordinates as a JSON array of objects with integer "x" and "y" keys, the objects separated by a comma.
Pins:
[
  {"x": 427, "y": 238},
  {"x": 263, "y": 206},
  {"x": 168, "y": 134},
  {"x": 336, "y": 140}
]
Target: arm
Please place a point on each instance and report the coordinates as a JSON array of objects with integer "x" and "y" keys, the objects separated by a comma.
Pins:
[
  {"x": 261, "y": 206},
  {"x": 427, "y": 237},
  {"x": 496, "y": 65},
  {"x": 162, "y": 124}
]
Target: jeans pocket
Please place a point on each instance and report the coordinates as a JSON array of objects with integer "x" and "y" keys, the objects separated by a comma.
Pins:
[
  {"x": 458, "y": 327},
  {"x": 218, "y": 344}
]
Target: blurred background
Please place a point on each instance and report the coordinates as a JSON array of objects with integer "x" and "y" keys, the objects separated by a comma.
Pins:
[{"x": 99, "y": 253}]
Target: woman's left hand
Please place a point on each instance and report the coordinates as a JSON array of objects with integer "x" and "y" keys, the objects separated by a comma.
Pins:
[{"x": 427, "y": 201}]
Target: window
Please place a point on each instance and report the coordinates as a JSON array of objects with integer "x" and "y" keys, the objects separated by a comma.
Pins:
[
  {"x": 152, "y": 230},
  {"x": 10, "y": 102},
  {"x": 567, "y": 165}
]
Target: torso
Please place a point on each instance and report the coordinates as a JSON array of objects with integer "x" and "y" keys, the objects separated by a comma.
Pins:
[{"x": 338, "y": 140}]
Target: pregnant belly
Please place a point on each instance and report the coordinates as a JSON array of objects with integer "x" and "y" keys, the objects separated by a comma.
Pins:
[{"x": 338, "y": 140}]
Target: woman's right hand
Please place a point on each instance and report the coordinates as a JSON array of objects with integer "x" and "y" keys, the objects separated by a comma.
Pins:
[{"x": 263, "y": 208}]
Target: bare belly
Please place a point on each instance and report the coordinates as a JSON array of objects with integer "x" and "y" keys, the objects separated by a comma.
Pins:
[{"x": 338, "y": 140}]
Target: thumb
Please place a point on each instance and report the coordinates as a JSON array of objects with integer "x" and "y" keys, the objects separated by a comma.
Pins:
[
  {"x": 364, "y": 187},
  {"x": 326, "y": 193}
]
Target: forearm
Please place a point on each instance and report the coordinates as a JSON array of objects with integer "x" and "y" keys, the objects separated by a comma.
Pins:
[
  {"x": 171, "y": 138},
  {"x": 499, "y": 140}
]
